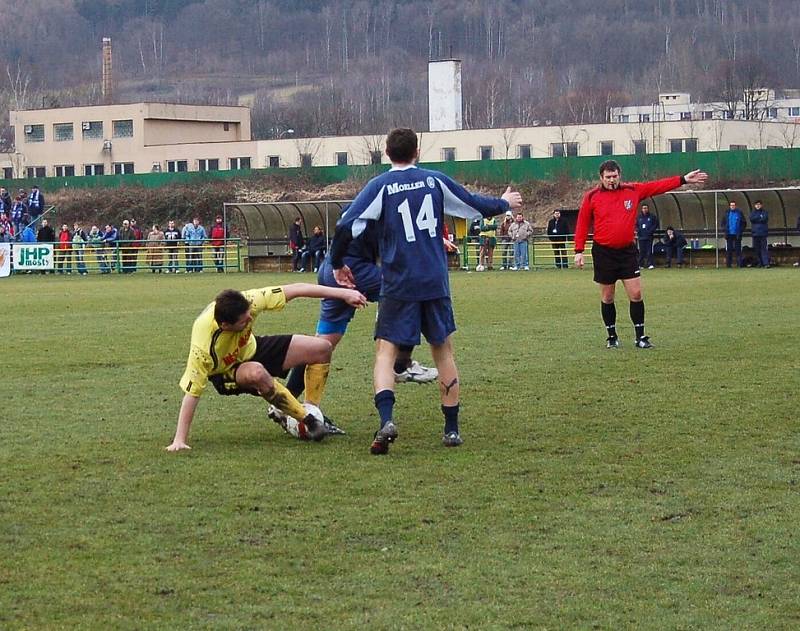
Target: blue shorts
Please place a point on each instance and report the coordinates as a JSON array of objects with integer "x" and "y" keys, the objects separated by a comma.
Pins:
[
  {"x": 334, "y": 315},
  {"x": 401, "y": 322}
]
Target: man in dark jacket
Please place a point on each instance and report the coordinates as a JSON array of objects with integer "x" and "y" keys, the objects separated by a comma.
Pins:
[
  {"x": 46, "y": 234},
  {"x": 297, "y": 244},
  {"x": 646, "y": 226},
  {"x": 315, "y": 250},
  {"x": 759, "y": 219},
  {"x": 734, "y": 223},
  {"x": 557, "y": 231},
  {"x": 35, "y": 202},
  {"x": 674, "y": 242}
]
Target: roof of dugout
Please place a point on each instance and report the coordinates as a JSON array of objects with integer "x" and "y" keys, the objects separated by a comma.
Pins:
[
  {"x": 703, "y": 210},
  {"x": 270, "y": 221}
]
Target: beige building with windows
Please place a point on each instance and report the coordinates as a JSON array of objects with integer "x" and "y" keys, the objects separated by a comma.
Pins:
[{"x": 162, "y": 137}]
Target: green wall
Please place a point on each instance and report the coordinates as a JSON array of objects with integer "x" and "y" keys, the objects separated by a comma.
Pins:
[{"x": 762, "y": 166}]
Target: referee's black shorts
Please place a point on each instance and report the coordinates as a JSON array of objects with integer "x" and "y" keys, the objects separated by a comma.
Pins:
[
  {"x": 613, "y": 264},
  {"x": 270, "y": 352}
]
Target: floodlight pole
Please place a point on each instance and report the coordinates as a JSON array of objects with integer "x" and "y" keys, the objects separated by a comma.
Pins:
[{"x": 716, "y": 226}]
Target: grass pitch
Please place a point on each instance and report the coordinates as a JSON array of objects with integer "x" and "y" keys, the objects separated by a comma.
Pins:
[{"x": 596, "y": 489}]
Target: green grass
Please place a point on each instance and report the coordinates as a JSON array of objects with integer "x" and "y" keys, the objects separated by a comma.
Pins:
[{"x": 596, "y": 489}]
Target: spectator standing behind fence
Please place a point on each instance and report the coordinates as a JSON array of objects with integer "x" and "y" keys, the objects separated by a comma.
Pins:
[
  {"x": 315, "y": 249},
  {"x": 172, "y": 237},
  {"x": 5, "y": 235},
  {"x": 646, "y": 226},
  {"x": 218, "y": 236},
  {"x": 28, "y": 235},
  {"x": 79, "y": 239},
  {"x": 94, "y": 241},
  {"x": 193, "y": 236},
  {"x": 109, "y": 240},
  {"x": 5, "y": 201},
  {"x": 520, "y": 231},
  {"x": 488, "y": 237},
  {"x": 63, "y": 253},
  {"x": 557, "y": 232},
  {"x": 127, "y": 253},
  {"x": 155, "y": 249},
  {"x": 5, "y": 222},
  {"x": 35, "y": 203},
  {"x": 18, "y": 210},
  {"x": 759, "y": 220},
  {"x": 674, "y": 242},
  {"x": 734, "y": 223},
  {"x": 138, "y": 243},
  {"x": 506, "y": 244},
  {"x": 297, "y": 244}
]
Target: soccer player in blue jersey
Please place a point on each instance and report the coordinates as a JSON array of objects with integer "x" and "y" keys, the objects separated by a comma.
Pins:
[{"x": 407, "y": 204}]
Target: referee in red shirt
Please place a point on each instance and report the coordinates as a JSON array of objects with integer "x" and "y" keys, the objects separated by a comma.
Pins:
[{"x": 613, "y": 206}]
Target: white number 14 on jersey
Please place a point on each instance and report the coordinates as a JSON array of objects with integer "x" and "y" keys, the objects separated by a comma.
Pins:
[{"x": 426, "y": 218}]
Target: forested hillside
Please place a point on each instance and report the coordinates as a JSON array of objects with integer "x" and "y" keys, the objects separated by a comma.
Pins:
[{"x": 354, "y": 66}]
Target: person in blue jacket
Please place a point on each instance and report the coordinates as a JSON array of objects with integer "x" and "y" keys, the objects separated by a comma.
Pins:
[
  {"x": 759, "y": 220},
  {"x": 646, "y": 226},
  {"x": 734, "y": 223}
]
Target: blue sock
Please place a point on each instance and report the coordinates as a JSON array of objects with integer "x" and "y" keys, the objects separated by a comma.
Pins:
[
  {"x": 450, "y": 418},
  {"x": 384, "y": 402}
]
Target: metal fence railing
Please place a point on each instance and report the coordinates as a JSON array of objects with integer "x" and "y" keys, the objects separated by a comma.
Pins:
[{"x": 538, "y": 252}]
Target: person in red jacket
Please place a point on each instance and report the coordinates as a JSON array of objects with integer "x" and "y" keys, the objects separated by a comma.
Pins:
[
  {"x": 63, "y": 250},
  {"x": 218, "y": 237},
  {"x": 612, "y": 206}
]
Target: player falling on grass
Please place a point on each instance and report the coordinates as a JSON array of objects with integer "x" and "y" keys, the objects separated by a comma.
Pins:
[
  {"x": 225, "y": 351},
  {"x": 612, "y": 206},
  {"x": 335, "y": 315},
  {"x": 408, "y": 204}
]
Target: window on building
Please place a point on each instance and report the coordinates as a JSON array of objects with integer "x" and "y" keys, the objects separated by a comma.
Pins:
[
  {"x": 341, "y": 158},
  {"x": 273, "y": 162},
  {"x": 208, "y": 164},
  {"x": 486, "y": 153},
  {"x": 794, "y": 111},
  {"x": 561, "y": 149},
  {"x": 523, "y": 151},
  {"x": 681, "y": 145},
  {"x": 226, "y": 126},
  {"x": 727, "y": 115},
  {"x": 375, "y": 157},
  {"x": 8, "y": 173},
  {"x": 448, "y": 154},
  {"x": 123, "y": 168},
  {"x": 177, "y": 166},
  {"x": 35, "y": 172},
  {"x": 623, "y": 118},
  {"x": 93, "y": 169},
  {"x": 644, "y": 118},
  {"x": 122, "y": 129},
  {"x": 775, "y": 147},
  {"x": 62, "y": 132},
  {"x": 237, "y": 164},
  {"x": 34, "y": 133},
  {"x": 738, "y": 147},
  {"x": 306, "y": 159},
  {"x": 65, "y": 170},
  {"x": 92, "y": 130},
  {"x": 686, "y": 116},
  {"x": 639, "y": 147},
  {"x": 707, "y": 115},
  {"x": 606, "y": 147},
  {"x": 772, "y": 112}
]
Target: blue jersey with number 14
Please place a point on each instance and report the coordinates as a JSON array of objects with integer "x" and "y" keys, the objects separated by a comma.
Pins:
[{"x": 409, "y": 204}]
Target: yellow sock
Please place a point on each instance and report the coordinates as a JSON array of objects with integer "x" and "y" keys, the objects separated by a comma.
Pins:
[
  {"x": 282, "y": 399},
  {"x": 316, "y": 377}
]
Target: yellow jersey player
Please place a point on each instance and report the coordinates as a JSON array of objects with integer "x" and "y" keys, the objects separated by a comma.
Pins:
[{"x": 225, "y": 352}]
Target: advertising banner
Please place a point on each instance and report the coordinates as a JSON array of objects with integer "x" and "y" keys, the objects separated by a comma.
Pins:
[
  {"x": 5, "y": 259},
  {"x": 33, "y": 256}
]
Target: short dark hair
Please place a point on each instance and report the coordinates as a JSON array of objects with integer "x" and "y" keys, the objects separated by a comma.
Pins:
[
  {"x": 401, "y": 145},
  {"x": 758, "y": 201},
  {"x": 229, "y": 306},
  {"x": 610, "y": 165}
]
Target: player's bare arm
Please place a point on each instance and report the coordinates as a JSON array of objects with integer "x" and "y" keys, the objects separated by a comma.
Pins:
[
  {"x": 306, "y": 290},
  {"x": 579, "y": 260},
  {"x": 185, "y": 416}
]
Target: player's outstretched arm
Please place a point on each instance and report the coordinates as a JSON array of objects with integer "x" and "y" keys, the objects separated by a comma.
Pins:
[
  {"x": 307, "y": 290},
  {"x": 185, "y": 416},
  {"x": 695, "y": 177}
]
